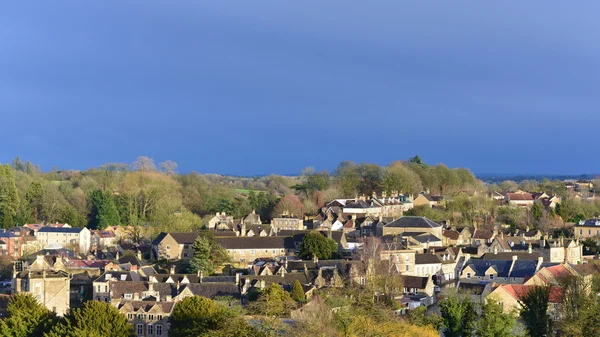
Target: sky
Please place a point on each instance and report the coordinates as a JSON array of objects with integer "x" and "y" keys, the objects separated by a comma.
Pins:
[{"x": 258, "y": 87}]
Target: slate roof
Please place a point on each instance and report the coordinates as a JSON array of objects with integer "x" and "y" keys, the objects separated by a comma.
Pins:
[
  {"x": 472, "y": 288},
  {"x": 181, "y": 238},
  {"x": 520, "y": 196},
  {"x": 523, "y": 268},
  {"x": 213, "y": 289},
  {"x": 483, "y": 234},
  {"x": 451, "y": 234},
  {"x": 60, "y": 230},
  {"x": 413, "y": 222},
  {"x": 146, "y": 306},
  {"x": 480, "y": 266}
]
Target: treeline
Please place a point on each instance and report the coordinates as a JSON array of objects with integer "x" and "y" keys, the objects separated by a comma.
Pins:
[{"x": 154, "y": 197}]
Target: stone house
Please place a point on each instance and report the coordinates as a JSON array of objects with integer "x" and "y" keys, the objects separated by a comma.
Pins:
[
  {"x": 519, "y": 198},
  {"x": 251, "y": 219},
  {"x": 510, "y": 295},
  {"x": 562, "y": 250},
  {"x": 456, "y": 237},
  {"x": 287, "y": 223},
  {"x": 221, "y": 221},
  {"x": 50, "y": 287},
  {"x": 174, "y": 246},
  {"x": 424, "y": 199}
]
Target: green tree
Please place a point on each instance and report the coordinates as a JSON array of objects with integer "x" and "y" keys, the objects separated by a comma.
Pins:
[
  {"x": 208, "y": 254},
  {"x": 459, "y": 316},
  {"x": 348, "y": 178},
  {"x": 315, "y": 244},
  {"x": 417, "y": 160},
  {"x": 402, "y": 179},
  {"x": 199, "y": 316},
  {"x": 298, "y": 294},
  {"x": 273, "y": 301},
  {"x": 418, "y": 316},
  {"x": 34, "y": 198},
  {"x": 537, "y": 211},
  {"x": 9, "y": 196},
  {"x": 26, "y": 317},
  {"x": 103, "y": 210},
  {"x": 494, "y": 322},
  {"x": 94, "y": 318},
  {"x": 534, "y": 312}
]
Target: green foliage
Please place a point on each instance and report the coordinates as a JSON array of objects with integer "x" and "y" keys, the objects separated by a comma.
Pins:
[
  {"x": 419, "y": 317},
  {"x": 208, "y": 254},
  {"x": 94, "y": 318},
  {"x": 534, "y": 312},
  {"x": 9, "y": 196},
  {"x": 298, "y": 294},
  {"x": 26, "y": 318},
  {"x": 537, "y": 211},
  {"x": 273, "y": 301},
  {"x": 459, "y": 316},
  {"x": 103, "y": 211},
  {"x": 494, "y": 322},
  {"x": 199, "y": 316},
  {"x": 314, "y": 244}
]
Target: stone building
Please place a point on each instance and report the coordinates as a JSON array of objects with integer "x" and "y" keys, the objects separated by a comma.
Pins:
[{"x": 50, "y": 287}]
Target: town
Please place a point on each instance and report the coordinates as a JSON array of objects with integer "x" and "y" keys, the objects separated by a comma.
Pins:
[{"x": 412, "y": 243}]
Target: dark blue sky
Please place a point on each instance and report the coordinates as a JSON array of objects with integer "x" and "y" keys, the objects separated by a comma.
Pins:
[{"x": 254, "y": 87}]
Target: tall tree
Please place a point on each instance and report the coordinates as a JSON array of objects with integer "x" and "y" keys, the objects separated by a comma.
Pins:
[
  {"x": 459, "y": 316},
  {"x": 208, "y": 254},
  {"x": 348, "y": 178},
  {"x": 534, "y": 312},
  {"x": 273, "y": 301},
  {"x": 298, "y": 294},
  {"x": 494, "y": 322},
  {"x": 94, "y": 318},
  {"x": 169, "y": 167},
  {"x": 9, "y": 196},
  {"x": 103, "y": 211},
  {"x": 289, "y": 205},
  {"x": 144, "y": 164},
  {"x": 401, "y": 178}
]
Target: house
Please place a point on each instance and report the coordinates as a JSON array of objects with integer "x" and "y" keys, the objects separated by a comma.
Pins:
[
  {"x": 519, "y": 198},
  {"x": 221, "y": 221},
  {"x": 68, "y": 237},
  {"x": 103, "y": 238},
  {"x": 287, "y": 223},
  {"x": 394, "y": 249},
  {"x": 252, "y": 219},
  {"x": 456, "y": 237},
  {"x": 511, "y": 295},
  {"x": 428, "y": 200},
  {"x": 10, "y": 244},
  {"x": 149, "y": 318},
  {"x": 562, "y": 250},
  {"x": 584, "y": 229},
  {"x": 363, "y": 207},
  {"x": 550, "y": 275},
  {"x": 50, "y": 287},
  {"x": 427, "y": 265},
  {"x": 414, "y": 224},
  {"x": 244, "y": 250},
  {"x": 174, "y": 246},
  {"x": 505, "y": 271},
  {"x": 481, "y": 236}
]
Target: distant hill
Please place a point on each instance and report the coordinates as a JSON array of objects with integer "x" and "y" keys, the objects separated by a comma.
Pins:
[{"x": 494, "y": 178}]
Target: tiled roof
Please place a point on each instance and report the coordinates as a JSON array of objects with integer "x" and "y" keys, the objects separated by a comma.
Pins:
[
  {"x": 509, "y": 256},
  {"x": 451, "y": 234},
  {"x": 414, "y": 281},
  {"x": 483, "y": 234},
  {"x": 427, "y": 258},
  {"x": 523, "y": 268},
  {"x": 519, "y": 291},
  {"x": 481, "y": 266},
  {"x": 520, "y": 196}
]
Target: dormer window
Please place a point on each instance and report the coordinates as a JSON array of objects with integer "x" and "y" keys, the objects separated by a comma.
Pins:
[
  {"x": 468, "y": 275},
  {"x": 491, "y": 276},
  {"x": 128, "y": 296},
  {"x": 123, "y": 277}
]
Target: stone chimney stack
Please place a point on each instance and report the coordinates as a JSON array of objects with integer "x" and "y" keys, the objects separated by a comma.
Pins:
[
  {"x": 530, "y": 249},
  {"x": 172, "y": 270},
  {"x": 495, "y": 250}
]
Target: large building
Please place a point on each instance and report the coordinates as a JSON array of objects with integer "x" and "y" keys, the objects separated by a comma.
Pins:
[
  {"x": 68, "y": 237},
  {"x": 49, "y": 287}
]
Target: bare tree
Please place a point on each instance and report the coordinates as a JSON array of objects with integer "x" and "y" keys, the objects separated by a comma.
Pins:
[
  {"x": 144, "y": 164},
  {"x": 169, "y": 166}
]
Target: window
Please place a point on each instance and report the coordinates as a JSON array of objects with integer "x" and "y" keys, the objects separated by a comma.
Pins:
[
  {"x": 158, "y": 330},
  {"x": 129, "y": 316},
  {"x": 98, "y": 288},
  {"x": 274, "y": 251},
  {"x": 151, "y": 317},
  {"x": 253, "y": 252},
  {"x": 159, "y": 317},
  {"x": 106, "y": 288},
  {"x": 406, "y": 258},
  {"x": 168, "y": 247},
  {"x": 140, "y": 329},
  {"x": 128, "y": 296},
  {"x": 468, "y": 275},
  {"x": 139, "y": 316},
  {"x": 407, "y": 266},
  {"x": 491, "y": 276},
  {"x": 186, "y": 246},
  {"x": 363, "y": 281},
  {"x": 150, "y": 329},
  {"x": 185, "y": 254}
]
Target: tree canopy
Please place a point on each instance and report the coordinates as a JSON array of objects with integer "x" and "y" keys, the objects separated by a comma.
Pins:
[
  {"x": 314, "y": 244},
  {"x": 94, "y": 318}
]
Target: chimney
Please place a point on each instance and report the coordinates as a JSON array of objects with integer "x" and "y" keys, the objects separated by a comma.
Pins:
[
  {"x": 285, "y": 263},
  {"x": 136, "y": 296},
  {"x": 315, "y": 258},
  {"x": 495, "y": 250},
  {"x": 237, "y": 278},
  {"x": 150, "y": 286},
  {"x": 253, "y": 211},
  {"x": 530, "y": 249},
  {"x": 243, "y": 233},
  {"x": 262, "y": 284},
  {"x": 139, "y": 255},
  {"x": 305, "y": 268},
  {"x": 201, "y": 276},
  {"x": 168, "y": 298},
  {"x": 172, "y": 270},
  {"x": 198, "y": 273},
  {"x": 540, "y": 261},
  {"x": 329, "y": 235}
]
